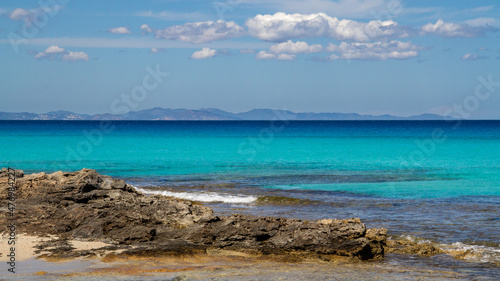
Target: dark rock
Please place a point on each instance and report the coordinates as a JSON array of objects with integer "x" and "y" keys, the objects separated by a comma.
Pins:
[{"x": 90, "y": 206}]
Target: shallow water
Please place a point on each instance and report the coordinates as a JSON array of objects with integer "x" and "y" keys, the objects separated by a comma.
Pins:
[{"x": 431, "y": 180}]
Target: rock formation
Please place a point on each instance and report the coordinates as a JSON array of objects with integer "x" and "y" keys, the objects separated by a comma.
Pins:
[{"x": 88, "y": 206}]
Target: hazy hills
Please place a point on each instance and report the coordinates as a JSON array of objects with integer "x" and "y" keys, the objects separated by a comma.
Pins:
[{"x": 159, "y": 113}]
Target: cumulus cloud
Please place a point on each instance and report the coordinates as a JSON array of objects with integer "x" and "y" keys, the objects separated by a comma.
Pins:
[
  {"x": 28, "y": 16},
  {"x": 39, "y": 55},
  {"x": 119, "y": 30},
  {"x": 374, "y": 51},
  {"x": 471, "y": 56},
  {"x": 58, "y": 53},
  {"x": 20, "y": 14},
  {"x": 204, "y": 53},
  {"x": 298, "y": 47},
  {"x": 146, "y": 29},
  {"x": 201, "y": 32},
  {"x": 445, "y": 29},
  {"x": 53, "y": 50},
  {"x": 280, "y": 27},
  {"x": 75, "y": 56},
  {"x": 264, "y": 55}
]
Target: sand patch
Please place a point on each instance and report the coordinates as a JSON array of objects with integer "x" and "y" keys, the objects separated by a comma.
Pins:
[
  {"x": 87, "y": 245},
  {"x": 24, "y": 246}
]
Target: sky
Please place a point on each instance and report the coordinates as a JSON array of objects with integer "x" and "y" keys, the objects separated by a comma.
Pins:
[{"x": 374, "y": 57}]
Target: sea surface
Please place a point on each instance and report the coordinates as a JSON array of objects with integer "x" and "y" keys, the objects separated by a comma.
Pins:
[{"x": 426, "y": 181}]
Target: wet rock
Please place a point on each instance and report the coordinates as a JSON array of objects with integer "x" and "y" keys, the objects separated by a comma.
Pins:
[
  {"x": 90, "y": 206},
  {"x": 410, "y": 247}
]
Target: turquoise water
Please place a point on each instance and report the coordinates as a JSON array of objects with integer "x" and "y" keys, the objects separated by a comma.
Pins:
[
  {"x": 389, "y": 159},
  {"x": 436, "y": 180}
]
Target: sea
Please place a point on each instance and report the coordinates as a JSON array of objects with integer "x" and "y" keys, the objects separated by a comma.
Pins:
[{"x": 425, "y": 181}]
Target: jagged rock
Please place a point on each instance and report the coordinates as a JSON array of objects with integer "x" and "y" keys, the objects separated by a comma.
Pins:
[{"x": 87, "y": 205}]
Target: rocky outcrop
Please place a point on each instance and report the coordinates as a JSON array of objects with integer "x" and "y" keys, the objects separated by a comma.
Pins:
[{"x": 87, "y": 205}]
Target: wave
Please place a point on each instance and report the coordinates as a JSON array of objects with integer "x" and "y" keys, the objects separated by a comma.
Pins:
[
  {"x": 202, "y": 196},
  {"x": 467, "y": 252},
  {"x": 475, "y": 253}
]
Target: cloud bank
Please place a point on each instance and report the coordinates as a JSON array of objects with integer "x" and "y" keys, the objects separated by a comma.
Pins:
[
  {"x": 280, "y": 27},
  {"x": 374, "y": 51}
]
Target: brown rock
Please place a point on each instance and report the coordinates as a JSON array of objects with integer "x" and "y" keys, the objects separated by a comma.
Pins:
[{"x": 87, "y": 205}]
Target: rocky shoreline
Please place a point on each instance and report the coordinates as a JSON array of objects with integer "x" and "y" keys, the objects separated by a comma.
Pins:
[{"x": 87, "y": 206}]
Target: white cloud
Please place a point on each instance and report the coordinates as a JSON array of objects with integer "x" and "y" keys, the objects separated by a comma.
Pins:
[
  {"x": 19, "y": 14},
  {"x": 28, "y": 15},
  {"x": 53, "y": 50},
  {"x": 281, "y": 26},
  {"x": 40, "y": 55},
  {"x": 374, "y": 51},
  {"x": 75, "y": 56},
  {"x": 286, "y": 57},
  {"x": 263, "y": 55},
  {"x": 119, "y": 30},
  {"x": 156, "y": 50},
  {"x": 444, "y": 29},
  {"x": 471, "y": 56},
  {"x": 146, "y": 29},
  {"x": 201, "y": 32},
  {"x": 298, "y": 47},
  {"x": 204, "y": 53}
]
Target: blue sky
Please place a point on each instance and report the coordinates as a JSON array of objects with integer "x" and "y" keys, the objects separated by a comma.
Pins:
[{"x": 364, "y": 56}]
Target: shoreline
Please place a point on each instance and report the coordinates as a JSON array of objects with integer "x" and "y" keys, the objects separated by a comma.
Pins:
[
  {"x": 73, "y": 243},
  {"x": 225, "y": 265}
]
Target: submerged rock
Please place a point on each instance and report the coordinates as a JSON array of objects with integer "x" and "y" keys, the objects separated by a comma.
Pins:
[
  {"x": 87, "y": 205},
  {"x": 405, "y": 246}
]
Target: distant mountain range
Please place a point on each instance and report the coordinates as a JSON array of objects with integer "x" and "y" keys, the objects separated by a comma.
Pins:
[{"x": 159, "y": 113}]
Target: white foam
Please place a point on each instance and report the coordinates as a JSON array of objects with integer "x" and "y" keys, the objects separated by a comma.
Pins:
[
  {"x": 201, "y": 196},
  {"x": 475, "y": 253},
  {"x": 417, "y": 240}
]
